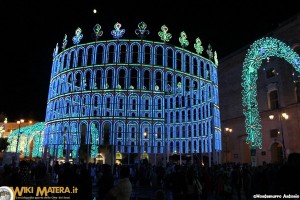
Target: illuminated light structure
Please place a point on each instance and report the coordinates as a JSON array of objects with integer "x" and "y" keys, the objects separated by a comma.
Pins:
[
  {"x": 260, "y": 50},
  {"x": 112, "y": 92},
  {"x": 29, "y": 134}
]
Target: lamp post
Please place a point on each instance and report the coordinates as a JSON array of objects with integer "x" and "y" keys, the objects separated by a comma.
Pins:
[
  {"x": 19, "y": 123},
  {"x": 281, "y": 117},
  {"x": 165, "y": 149},
  {"x": 139, "y": 145},
  {"x": 227, "y": 131},
  {"x": 145, "y": 137}
]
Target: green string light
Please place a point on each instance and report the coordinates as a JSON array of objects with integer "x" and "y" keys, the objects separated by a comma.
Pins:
[
  {"x": 198, "y": 46},
  {"x": 183, "y": 39},
  {"x": 94, "y": 147},
  {"x": 164, "y": 35}
]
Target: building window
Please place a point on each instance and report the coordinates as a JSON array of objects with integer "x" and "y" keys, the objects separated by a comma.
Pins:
[
  {"x": 274, "y": 133},
  {"x": 273, "y": 98},
  {"x": 270, "y": 73}
]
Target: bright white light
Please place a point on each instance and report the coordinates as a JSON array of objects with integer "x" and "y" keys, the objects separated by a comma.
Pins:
[
  {"x": 271, "y": 117},
  {"x": 285, "y": 116},
  {"x": 228, "y": 130},
  {"x": 94, "y": 11}
]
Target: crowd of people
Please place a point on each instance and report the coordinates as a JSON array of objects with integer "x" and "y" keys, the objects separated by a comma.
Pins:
[{"x": 177, "y": 182}]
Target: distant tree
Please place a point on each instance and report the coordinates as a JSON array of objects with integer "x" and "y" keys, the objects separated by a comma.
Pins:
[{"x": 3, "y": 144}]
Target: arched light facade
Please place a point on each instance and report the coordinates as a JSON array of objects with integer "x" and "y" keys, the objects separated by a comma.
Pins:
[
  {"x": 27, "y": 135},
  {"x": 137, "y": 95}
]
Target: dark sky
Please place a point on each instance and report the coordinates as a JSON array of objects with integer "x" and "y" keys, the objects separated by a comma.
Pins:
[{"x": 31, "y": 29}]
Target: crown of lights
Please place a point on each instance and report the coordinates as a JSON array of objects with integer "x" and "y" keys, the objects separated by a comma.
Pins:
[{"x": 141, "y": 32}]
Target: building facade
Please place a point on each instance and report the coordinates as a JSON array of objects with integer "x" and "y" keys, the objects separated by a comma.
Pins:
[
  {"x": 132, "y": 97},
  {"x": 277, "y": 97}
]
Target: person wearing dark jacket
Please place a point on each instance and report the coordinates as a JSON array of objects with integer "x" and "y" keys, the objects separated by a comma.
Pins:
[{"x": 105, "y": 182}]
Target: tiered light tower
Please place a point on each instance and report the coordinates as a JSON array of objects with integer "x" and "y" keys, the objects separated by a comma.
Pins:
[{"x": 137, "y": 96}]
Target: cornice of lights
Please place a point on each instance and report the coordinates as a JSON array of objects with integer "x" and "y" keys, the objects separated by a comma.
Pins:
[
  {"x": 76, "y": 119},
  {"x": 141, "y": 32},
  {"x": 260, "y": 50}
]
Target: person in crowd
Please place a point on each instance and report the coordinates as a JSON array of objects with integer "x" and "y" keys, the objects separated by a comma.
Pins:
[
  {"x": 105, "y": 181},
  {"x": 160, "y": 195},
  {"x": 193, "y": 189},
  {"x": 84, "y": 185},
  {"x": 288, "y": 181},
  {"x": 24, "y": 173},
  {"x": 178, "y": 183},
  {"x": 123, "y": 188}
]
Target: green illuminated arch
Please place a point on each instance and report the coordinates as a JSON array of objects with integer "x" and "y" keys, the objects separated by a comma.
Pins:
[{"x": 259, "y": 50}]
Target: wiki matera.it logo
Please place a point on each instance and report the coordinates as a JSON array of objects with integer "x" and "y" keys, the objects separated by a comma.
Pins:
[{"x": 6, "y": 193}]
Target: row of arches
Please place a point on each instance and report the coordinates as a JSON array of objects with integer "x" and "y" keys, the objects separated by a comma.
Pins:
[
  {"x": 70, "y": 135},
  {"x": 199, "y": 145},
  {"x": 125, "y": 78},
  {"x": 159, "y": 54},
  {"x": 173, "y": 110}
]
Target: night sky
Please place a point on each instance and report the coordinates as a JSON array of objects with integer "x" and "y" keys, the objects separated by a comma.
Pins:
[{"x": 31, "y": 29}]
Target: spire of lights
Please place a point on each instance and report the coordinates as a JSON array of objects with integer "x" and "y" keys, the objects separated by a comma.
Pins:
[
  {"x": 97, "y": 31},
  {"x": 141, "y": 31},
  {"x": 216, "y": 59},
  {"x": 78, "y": 36},
  {"x": 65, "y": 41},
  {"x": 117, "y": 33},
  {"x": 210, "y": 52},
  {"x": 183, "y": 39},
  {"x": 198, "y": 46},
  {"x": 55, "y": 50},
  {"x": 164, "y": 35}
]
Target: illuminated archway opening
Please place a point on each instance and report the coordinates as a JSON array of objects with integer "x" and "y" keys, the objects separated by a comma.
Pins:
[{"x": 260, "y": 50}]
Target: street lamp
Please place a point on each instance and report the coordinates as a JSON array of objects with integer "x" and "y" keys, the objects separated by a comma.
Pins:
[
  {"x": 140, "y": 139},
  {"x": 282, "y": 116},
  {"x": 227, "y": 130},
  {"x": 19, "y": 123}
]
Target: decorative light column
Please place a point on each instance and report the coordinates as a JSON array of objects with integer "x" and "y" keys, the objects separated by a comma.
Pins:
[
  {"x": 19, "y": 123},
  {"x": 227, "y": 131},
  {"x": 27, "y": 153},
  {"x": 281, "y": 117}
]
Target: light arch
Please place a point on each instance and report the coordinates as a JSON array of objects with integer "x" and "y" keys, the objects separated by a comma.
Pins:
[{"x": 260, "y": 50}]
